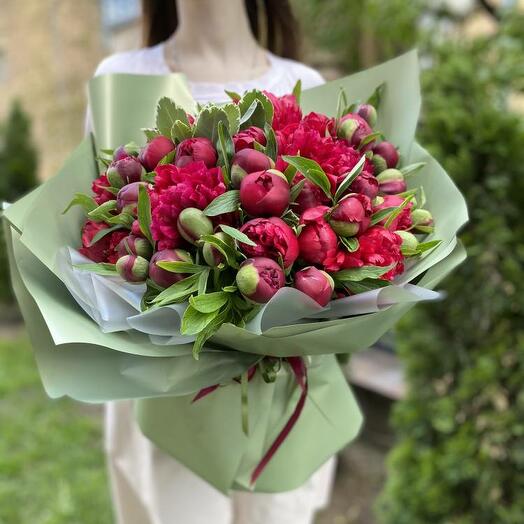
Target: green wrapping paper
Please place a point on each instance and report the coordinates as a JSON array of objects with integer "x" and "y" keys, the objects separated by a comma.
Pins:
[{"x": 76, "y": 359}]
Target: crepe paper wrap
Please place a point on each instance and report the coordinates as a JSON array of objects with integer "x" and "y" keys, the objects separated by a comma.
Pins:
[{"x": 149, "y": 362}]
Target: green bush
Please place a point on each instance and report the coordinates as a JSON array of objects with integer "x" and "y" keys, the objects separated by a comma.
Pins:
[
  {"x": 460, "y": 454},
  {"x": 18, "y": 164}
]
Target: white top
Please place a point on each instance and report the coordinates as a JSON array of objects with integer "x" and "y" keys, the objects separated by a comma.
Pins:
[{"x": 279, "y": 79}]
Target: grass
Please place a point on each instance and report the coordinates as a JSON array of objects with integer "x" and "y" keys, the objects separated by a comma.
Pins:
[{"x": 51, "y": 461}]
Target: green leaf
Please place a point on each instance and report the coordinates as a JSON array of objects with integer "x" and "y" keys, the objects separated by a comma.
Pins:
[
  {"x": 103, "y": 211},
  {"x": 397, "y": 211},
  {"x": 209, "y": 302},
  {"x": 168, "y": 159},
  {"x": 124, "y": 219},
  {"x": 102, "y": 268},
  {"x": 149, "y": 177},
  {"x": 237, "y": 235},
  {"x": 342, "y": 102},
  {"x": 208, "y": 120},
  {"x": 427, "y": 246},
  {"x": 250, "y": 111},
  {"x": 296, "y": 189},
  {"x": 226, "y": 150},
  {"x": 144, "y": 213},
  {"x": 290, "y": 173},
  {"x": 82, "y": 200},
  {"x": 233, "y": 115},
  {"x": 208, "y": 331},
  {"x": 376, "y": 96},
  {"x": 202, "y": 281},
  {"x": 103, "y": 232},
  {"x": 412, "y": 168},
  {"x": 381, "y": 215},
  {"x": 360, "y": 273},
  {"x": 179, "y": 291},
  {"x": 312, "y": 171},
  {"x": 181, "y": 267},
  {"x": 349, "y": 178},
  {"x": 150, "y": 133},
  {"x": 194, "y": 321},
  {"x": 271, "y": 143},
  {"x": 297, "y": 91},
  {"x": 233, "y": 95},
  {"x": 225, "y": 203},
  {"x": 229, "y": 253},
  {"x": 229, "y": 289},
  {"x": 260, "y": 116},
  {"x": 167, "y": 113},
  {"x": 365, "y": 285},
  {"x": 180, "y": 131},
  {"x": 369, "y": 138},
  {"x": 351, "y": 244}
]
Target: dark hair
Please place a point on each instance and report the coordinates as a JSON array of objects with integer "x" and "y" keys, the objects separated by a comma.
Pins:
[{"x": 271, "y": 21}]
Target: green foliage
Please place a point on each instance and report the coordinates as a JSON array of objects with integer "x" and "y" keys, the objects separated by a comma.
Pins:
[
  {"x": 460, "y": 455},
  {"x": 18, "y": 163},
  {"x": 361, "y": 33},
  {"x": 51, "y": 463}
]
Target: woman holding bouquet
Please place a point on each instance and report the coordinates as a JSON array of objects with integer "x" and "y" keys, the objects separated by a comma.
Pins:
[{"x": 217, "y": 45}]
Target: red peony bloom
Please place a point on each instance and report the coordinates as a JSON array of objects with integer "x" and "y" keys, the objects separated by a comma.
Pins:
[
  {"x": 105, "y": 249},
  {"x": 402, "y": 221},
  {"x": 317, "y": 240},
  {"x": 274, "y": 239},
  {"x": 310, "y": 196},
  {"x": 286, "y": 110},
  {"x": 178, "y": 188},
  {"x": 246, "y": 138},
  {"x": 381, "y": 247},
  {"x": 100, "y": 194},
  {"x": 365, "y": 184}
]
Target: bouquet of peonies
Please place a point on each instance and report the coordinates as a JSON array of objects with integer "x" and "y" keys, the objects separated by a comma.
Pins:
[{"x": 228, "y": 259}]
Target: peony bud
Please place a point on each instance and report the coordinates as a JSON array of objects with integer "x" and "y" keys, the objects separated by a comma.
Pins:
[
  {"x": 366, "y": 184},
  {"x": 391, "y": 182},
  {"x": 409, "y": 240},
  {"x": 163, "y": 277},
  {"x": 247, "y": 138},
  {"x": 127, "y": 197},
  {"x": 212, "y": 255},
  {"x": 125, "y": 171},
  {"x": 388, "y": 152},
  {"x": 248, "y": 161},
  {"x": 353, "y": 128},
  {"x": 154, "y": 151},
  {"x": 258, "y": 279},
  {"x": 132, "y": 268},
  {"x": 195, "y": 150},
  {"x": 192, "y": 224},
  {"x": 379, "y": 164},
  {"x": 315, "y": 283},
  {"x": 125, "y": 151},
  {"x": 133, "y": 245},
  {"x": 368, "y": 113},
  {"x": 351, "y": 215},
  {"x": 264, "y": 193},
  {"x": 317, "y": 240},
  {"x": 421, "y": 217}
]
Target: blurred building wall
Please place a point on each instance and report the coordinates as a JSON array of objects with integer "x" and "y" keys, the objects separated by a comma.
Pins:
[{"x": 48, "y": 51}]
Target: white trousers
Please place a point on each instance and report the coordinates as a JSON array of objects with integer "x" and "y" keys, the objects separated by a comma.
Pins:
[{"x": 150, "y": 487}]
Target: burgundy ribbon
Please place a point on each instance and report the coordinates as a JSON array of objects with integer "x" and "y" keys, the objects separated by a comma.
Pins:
[{"x": 299, "y": 369}]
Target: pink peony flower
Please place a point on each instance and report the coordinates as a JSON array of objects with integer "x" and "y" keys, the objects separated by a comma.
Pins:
[
  {"x": 315, "y": 283},
  {"x": 286, "y": 110},
  {"x": 105, "y": 249},
  {"x": 274, "y": 239},
  {"x": 402, "y": 221},
  {"x": 101, "y": 195},
  {"x": 154, "y": 151},
  {"x": 177, "y": 188},
  {"x": 259, "y": 278}
]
